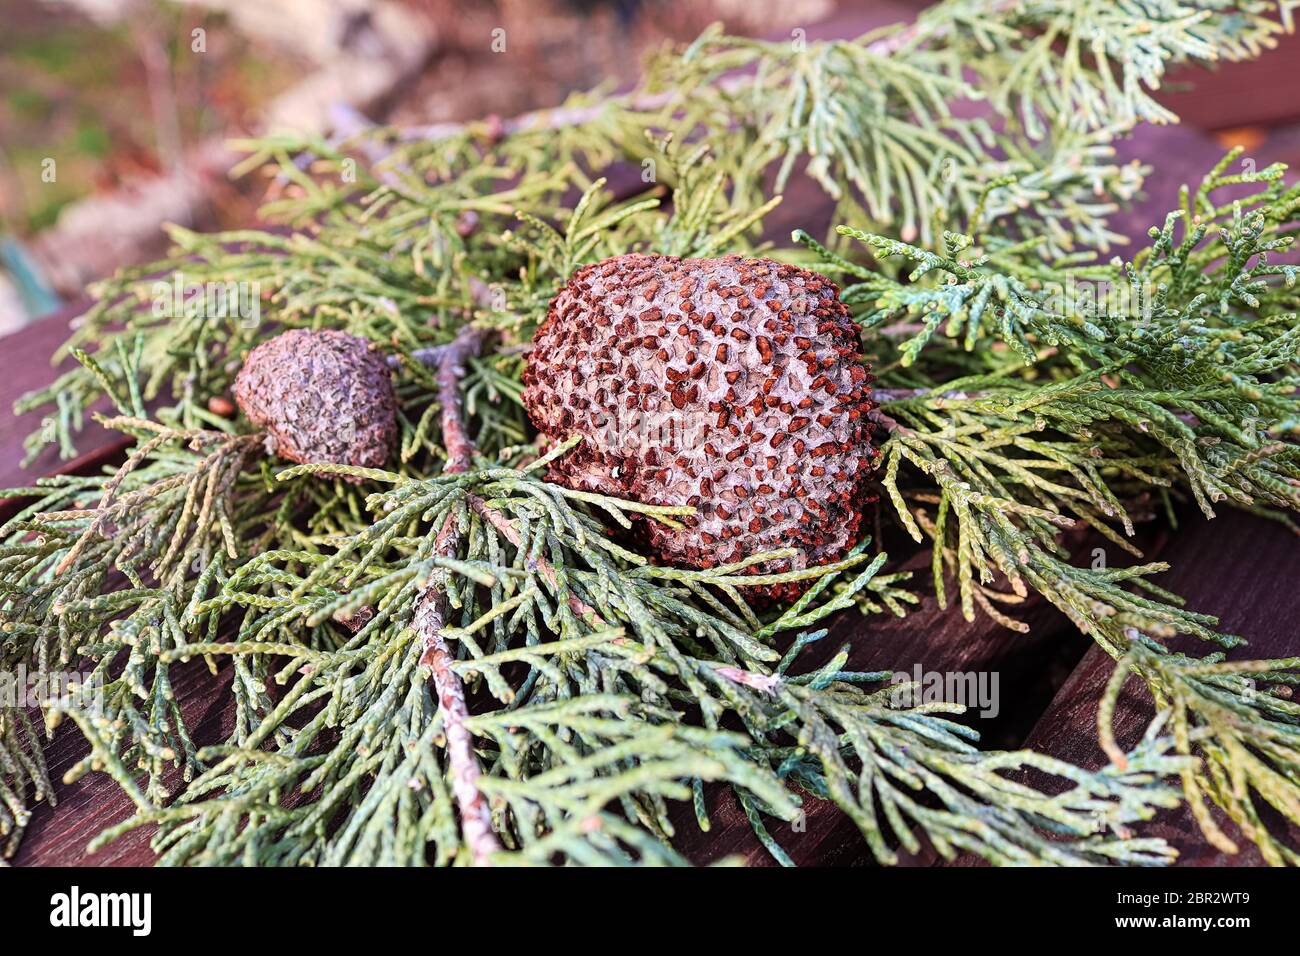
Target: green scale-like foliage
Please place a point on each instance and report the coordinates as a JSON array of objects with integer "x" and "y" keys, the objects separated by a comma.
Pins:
[
  {"x": 608, "y": 693},
  {"x": 1184, "y": 384}
]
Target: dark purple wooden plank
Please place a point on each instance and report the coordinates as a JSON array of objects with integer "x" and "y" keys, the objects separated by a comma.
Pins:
[
  {"x": 1239, "y": 567},
  {"x": 25, "y": 362},
  {"x": 938, "y": 641},
  {"x": 1257, "y": 92},
  {"x": 58, "y": 835}
]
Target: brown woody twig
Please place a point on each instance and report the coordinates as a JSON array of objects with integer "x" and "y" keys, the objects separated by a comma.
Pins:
[{"x": 432, "y": 611}]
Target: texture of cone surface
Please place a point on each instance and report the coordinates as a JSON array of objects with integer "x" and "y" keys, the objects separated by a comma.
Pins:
[
  {"x": 322, "y": 396},
  {"x": 736, "y": 386}
]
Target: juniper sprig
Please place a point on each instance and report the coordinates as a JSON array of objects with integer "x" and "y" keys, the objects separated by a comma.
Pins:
[
  {"x": 449, "y": 659},
  {"x": 1170, "y": 375}
]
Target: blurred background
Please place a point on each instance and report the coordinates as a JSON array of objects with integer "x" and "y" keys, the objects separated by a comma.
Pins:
[{"x": 115, "y": 114}]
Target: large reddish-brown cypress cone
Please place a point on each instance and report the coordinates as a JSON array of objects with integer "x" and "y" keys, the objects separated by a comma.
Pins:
[
  {"x": 733, "y": 385},
  {"x": 322, "y": 396}
]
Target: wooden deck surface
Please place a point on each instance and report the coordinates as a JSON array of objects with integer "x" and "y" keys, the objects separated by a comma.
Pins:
[{"x": 1244, "y": 569}]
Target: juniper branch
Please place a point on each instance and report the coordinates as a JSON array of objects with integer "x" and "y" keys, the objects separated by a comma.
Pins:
[
  {"x": 673, "y": 644},
  {"x": 885, "y": 145},
  {"x": 1023, "y": 414},
  {"x": 1186, "y": 382}
]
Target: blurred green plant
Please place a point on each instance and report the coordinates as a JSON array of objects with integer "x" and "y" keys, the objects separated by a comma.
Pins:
[{"x": 607, "y": 688}]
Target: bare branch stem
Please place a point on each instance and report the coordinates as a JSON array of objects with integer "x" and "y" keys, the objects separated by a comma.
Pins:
[
  {"x": 451, "y": 369},
  {"x": 432, "y": 611}
]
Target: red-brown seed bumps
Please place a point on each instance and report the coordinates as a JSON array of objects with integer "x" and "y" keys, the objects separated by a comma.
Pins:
[
  {"x": 322, "y": 397},
  {"x": 724, "y": 431}
]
